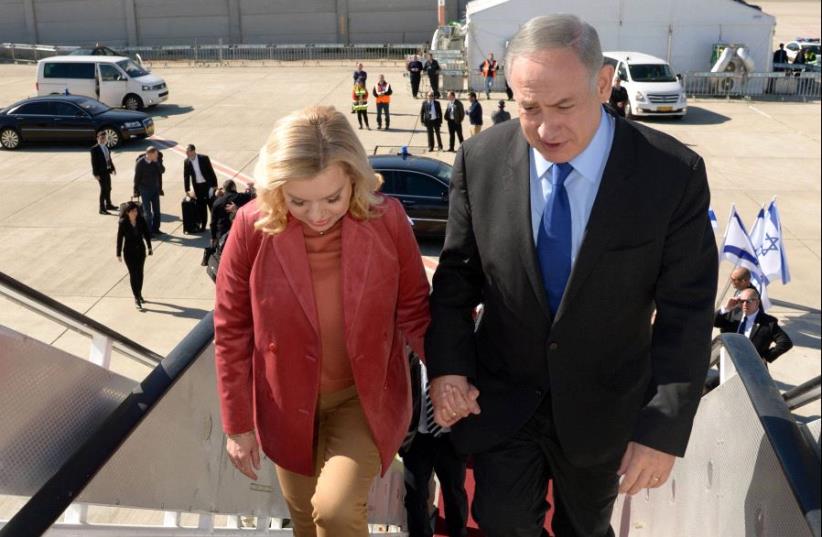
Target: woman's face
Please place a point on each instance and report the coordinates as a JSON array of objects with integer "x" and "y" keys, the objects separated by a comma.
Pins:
[
  {"x": 321, "y": 201},
  {"x": 132, "y": 213}
]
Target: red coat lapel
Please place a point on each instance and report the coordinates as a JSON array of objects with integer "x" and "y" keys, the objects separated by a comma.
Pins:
[
  {"x": 289, "y": 247},
  {"x": 356, "y": 256}
]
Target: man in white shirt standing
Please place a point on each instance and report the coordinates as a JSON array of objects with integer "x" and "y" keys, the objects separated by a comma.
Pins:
[{"x": 200, "y": 182}]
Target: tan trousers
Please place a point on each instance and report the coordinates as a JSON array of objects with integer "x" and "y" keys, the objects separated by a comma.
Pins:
[
  {"x": 334, "y": 502},
  {"x": 475, "y": 129}
]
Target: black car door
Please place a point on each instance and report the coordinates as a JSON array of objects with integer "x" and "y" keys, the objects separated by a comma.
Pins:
[
  {"x": 34, "y": 120},
  {"x": 425, "y": 199},
  {"x": 71, "y": 123}
]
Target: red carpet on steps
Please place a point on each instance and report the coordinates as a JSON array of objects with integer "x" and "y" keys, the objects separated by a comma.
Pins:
[{"x": 441, "y": 529}]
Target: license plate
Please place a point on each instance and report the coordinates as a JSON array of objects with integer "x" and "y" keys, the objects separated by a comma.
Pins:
[{"x": 664, "y": 108}]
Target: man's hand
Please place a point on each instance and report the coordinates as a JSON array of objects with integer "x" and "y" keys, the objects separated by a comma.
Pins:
[
  {"x": 231, "y": 208},
  {"x": 732, "y": 304},
  {"x": 244, "y": 453},
  {"x": 454, "y": 398},
  {"x": 644, "y": 468}
]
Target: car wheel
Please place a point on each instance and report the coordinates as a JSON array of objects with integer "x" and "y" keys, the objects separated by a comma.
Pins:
[
  {"x": 133, "y": 102},
  {"x": 112, "y": 135},
  {"x": 9, "y": 138}
]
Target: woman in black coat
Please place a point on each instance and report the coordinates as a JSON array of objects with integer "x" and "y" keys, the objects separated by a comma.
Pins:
[{"x": 132, "y": 230}]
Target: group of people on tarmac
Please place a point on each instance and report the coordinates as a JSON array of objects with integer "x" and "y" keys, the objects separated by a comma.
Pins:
[{"x": 139, "y": 218}]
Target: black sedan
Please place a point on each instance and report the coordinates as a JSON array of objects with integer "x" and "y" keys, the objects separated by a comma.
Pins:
[
  {"x": 421, "y": 184},
  {"x": 69, "y": 118}
]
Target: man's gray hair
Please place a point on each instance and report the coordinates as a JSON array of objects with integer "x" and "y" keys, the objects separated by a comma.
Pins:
[{"x": 557, "y": 31}]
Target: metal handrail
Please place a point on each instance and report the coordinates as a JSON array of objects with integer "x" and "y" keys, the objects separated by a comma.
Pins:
[
  {"x": 794, "y": 450},
  {"x": 46, "y": 506},
  {"x": 805, "y": 393},
  {"x": 46, "y": 306}
]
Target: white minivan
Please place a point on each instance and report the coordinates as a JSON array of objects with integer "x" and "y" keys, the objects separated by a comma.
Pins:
[
  {"x": 113, "y": 80},
  {"x": 653, "y": 89}
]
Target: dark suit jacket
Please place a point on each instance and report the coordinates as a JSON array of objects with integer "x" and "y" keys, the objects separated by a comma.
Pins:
[
  {"x": 612, "y": 376},
  {"x": 459, "y": 111},
  {"x": 189, "y": 178},
  {"x": 424, "y": 113},
  {"x": 98, "y": 162},
  {"x": 765, "y": 332}
]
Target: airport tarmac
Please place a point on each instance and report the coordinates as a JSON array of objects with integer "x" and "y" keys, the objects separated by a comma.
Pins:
[{"x": 53, "y": 239}]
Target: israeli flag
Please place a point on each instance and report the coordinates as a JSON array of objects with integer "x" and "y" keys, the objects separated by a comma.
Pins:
[
  {"x": 713, "y": 219},
  {"x": 766, "y": 237},
  {"x": 739, "y": 250}
]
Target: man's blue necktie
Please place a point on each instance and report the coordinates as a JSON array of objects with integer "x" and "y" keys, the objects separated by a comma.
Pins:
[
  {"x": 742, "y": 323},
  {"x": 554, "y": 237}
]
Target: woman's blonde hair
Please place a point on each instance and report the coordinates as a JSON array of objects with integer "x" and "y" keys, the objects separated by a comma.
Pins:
[{"x": 303, "y": 144}]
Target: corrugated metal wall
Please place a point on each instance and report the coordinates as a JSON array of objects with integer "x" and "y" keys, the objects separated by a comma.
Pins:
[{"x": 161, "y": 22}]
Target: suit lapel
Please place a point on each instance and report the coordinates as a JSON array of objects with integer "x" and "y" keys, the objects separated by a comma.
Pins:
[
  {"x": 517, "y": 181},
  {"x": 356, "y": 257},
  {"x": 289, "y": 248},
  {"x": 756, "y": 326},
  {"x": 613, "y": 196}
]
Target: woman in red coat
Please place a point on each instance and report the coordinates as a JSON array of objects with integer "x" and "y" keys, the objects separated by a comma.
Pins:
[{"x": 320, "y": 287}]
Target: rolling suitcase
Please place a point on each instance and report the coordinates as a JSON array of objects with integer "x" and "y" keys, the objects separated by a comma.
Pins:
[{"x": 191, "y": 222}]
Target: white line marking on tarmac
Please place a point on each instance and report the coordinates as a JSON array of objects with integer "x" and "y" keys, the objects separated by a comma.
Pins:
[{"x": 760, "y": 112}]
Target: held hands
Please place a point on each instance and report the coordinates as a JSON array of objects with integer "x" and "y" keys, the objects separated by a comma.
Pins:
[
  {"x": 643, "y": 467},
  {"x": 244, "y": 452},
  {"x": 454, "y": 398}
]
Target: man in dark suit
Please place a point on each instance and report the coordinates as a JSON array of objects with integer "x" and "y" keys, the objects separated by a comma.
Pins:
[
  {"x": 200, "y": 182},
  {"x": 148, "y": 184},
  {"x": 561, "y": 225},
  {"x": 763, "y": 330},
  {"x": 431, "y": 117},
  {"x": 102, "y": 167},
  {"x": 454, "y": 114}
]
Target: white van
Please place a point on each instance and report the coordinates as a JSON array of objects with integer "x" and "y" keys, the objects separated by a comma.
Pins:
[
  {"x": 653, "y": 89},
  {"x": 113, "y": 80}
]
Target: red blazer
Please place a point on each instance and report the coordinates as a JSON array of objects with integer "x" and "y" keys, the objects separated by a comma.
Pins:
[{"x": 267, "y": 342}]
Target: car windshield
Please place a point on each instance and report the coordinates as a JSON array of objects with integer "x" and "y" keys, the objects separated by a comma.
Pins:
[
  {"x": 132, "y": 68},
  {"x": 92, "y": 107},
  {"x": 653, "y": 72}
]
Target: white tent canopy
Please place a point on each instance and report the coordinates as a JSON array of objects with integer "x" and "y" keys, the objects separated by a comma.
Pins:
[{"x": 680, "y": 31}]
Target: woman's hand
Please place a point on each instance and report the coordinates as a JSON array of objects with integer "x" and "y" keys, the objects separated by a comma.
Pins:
[{"x": 244, "y": 452}]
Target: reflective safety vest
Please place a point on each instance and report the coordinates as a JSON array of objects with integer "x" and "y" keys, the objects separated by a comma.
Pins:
[
  {"x": 489, "y": 69},
  {"x": 383, "y": 93},
  {"x": 360, "y": 97}
]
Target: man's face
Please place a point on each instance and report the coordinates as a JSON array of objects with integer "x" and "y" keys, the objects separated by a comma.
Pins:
[
  {"x": 430, "y": 96},
  {"x": 101, "y": 139},
  {"x": 617, "y": 82},
  {"x": 451, "y": 97},
  {"x": 749, "y": 302},
  {"x": 152, "y": 156},
  {"x": 190, "y": 153},
  {"x": 740, "y": 280},
  {"x": 359, "y": 67},
  {"x": 382, "y": 78},
  {"x": 559, "y": 110},
  {"x": 491, "y": 56}
]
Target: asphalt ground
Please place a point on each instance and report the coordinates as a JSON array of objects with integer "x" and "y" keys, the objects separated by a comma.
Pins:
[{"x": 52, "y": 238}]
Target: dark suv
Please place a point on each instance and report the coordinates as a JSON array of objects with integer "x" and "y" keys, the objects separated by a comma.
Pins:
[
  {"x": 69, "y": 118},
  {"x": 421, "y": 184}
]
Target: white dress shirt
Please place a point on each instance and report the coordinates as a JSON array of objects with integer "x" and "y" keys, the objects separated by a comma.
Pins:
[
  {"x": 198, "y": 175},
  {"x": 423, "y": 425}
]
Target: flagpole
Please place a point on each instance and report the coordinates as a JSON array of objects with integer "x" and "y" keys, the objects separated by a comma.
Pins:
[{"x": 721, "y": 297}]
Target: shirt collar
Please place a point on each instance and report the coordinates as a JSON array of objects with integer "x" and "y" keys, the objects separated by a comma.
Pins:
[{"x": 590, "y": 163}]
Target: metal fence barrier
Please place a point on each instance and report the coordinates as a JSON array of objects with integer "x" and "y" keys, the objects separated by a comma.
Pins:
[
  {"x": 788, "y": 84},
  {"x": 221, "y": 53}
]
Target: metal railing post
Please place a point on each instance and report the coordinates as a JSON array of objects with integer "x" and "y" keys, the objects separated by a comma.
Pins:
[
  {"x": 100, "y": 351},
  {"x": 77, "y": 514}
]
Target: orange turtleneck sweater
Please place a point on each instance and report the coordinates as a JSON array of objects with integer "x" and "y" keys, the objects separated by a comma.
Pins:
[{"x": 325, "y": 260}]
